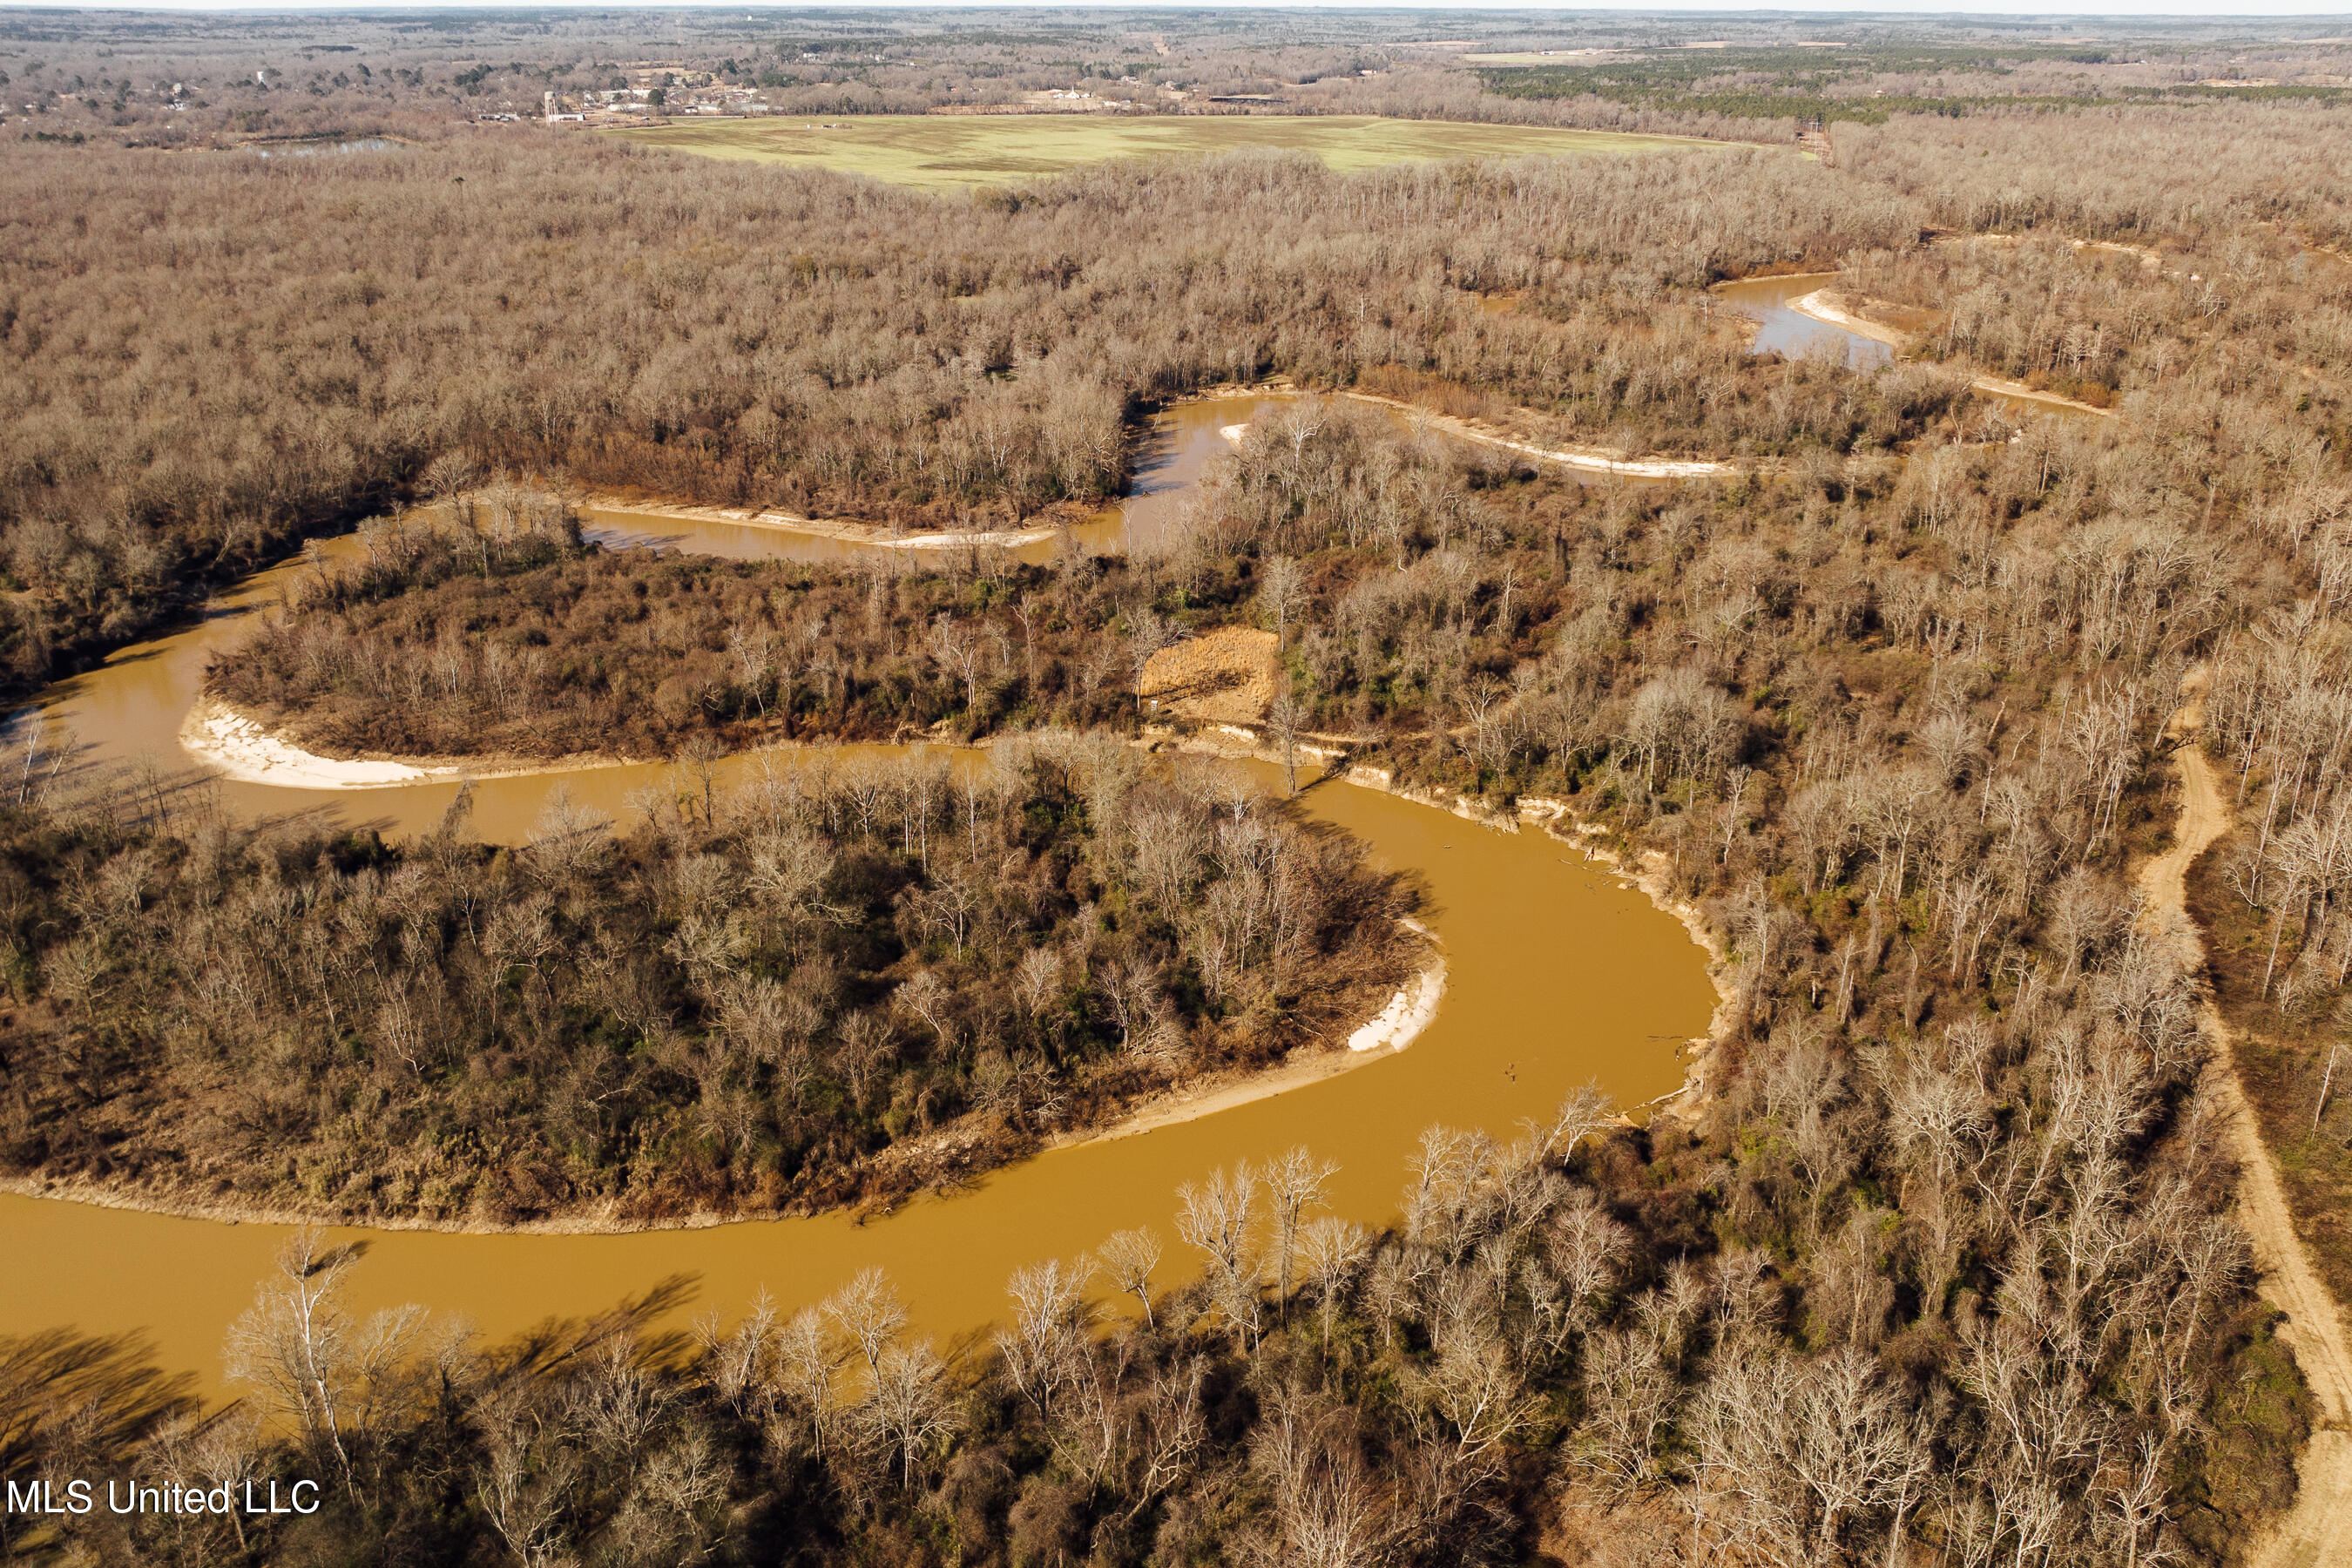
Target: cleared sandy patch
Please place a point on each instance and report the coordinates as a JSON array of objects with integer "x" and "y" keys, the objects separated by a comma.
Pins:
[{"x": 1225, "y": 677}]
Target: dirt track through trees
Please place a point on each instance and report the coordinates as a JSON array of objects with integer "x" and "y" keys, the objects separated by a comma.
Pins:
[{"x": 2318, "y": 1529}]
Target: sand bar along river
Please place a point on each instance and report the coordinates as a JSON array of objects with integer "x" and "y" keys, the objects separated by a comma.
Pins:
[{"x": 1558, "y": 975}]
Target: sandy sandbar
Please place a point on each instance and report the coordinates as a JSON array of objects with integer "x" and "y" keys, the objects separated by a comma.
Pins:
[
  {"x": 2019, "y": 389},
  {"x": 1821, "y": 305},
  {"x": 839, "y": 529},
  {"x": 1408, "y": 1014},
  {"x": 1591, "y": 459},
  {"x": 243, "y": 748},
  {"x": 238, "y": 746}
]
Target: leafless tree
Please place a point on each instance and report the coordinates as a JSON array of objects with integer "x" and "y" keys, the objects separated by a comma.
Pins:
[{"x": 1129, "y": 1259}]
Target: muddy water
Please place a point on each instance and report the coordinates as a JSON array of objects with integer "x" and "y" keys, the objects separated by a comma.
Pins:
[
  {"x": 1788, "y": 331},
  {"x": 1558, "y": 976},
  {"x": 1184, "y": 441}
]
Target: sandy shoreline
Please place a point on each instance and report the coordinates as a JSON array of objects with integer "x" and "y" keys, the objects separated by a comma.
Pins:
[
  {"x": 1535, "y": 811},
  {"x": 820, "y": 527},
  {"x": 240, "y": 747},
  {"x": 1591, "y": 459},
  {"x": 2019, "y": 389},
  {"x": 1410, "y": 1012},
  {"x": 1817, "y": 306}
]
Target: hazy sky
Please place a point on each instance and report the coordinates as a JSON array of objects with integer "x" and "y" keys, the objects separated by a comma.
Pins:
[{"x": 2249, "y": 9}]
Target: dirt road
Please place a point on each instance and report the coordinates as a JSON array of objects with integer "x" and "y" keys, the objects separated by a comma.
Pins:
[{"x": 2318, "y": 1529}]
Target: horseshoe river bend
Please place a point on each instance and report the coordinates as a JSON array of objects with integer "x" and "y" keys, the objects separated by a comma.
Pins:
[{"x": 1559, "y": 973}]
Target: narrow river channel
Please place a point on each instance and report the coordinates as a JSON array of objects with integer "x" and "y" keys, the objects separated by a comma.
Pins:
[{"x": 1559, "y": 976}]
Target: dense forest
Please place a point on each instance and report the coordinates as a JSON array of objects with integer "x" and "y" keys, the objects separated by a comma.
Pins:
[
  {"x": 211, "y": 358},
  {"x": 1938, "y": 1260},
  {"x": 190, "y": 393},
  {"x": 1946, "y": 1256}
]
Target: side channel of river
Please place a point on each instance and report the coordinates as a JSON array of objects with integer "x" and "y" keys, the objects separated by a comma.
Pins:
[
  {"x": 1783, "y": 328},
  {"x": 1559, "y": 976}
]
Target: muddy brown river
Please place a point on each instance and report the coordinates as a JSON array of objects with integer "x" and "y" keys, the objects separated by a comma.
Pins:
[{"x": 1559, "y": 976}]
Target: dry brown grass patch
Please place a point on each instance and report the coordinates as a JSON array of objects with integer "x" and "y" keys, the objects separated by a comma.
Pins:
[{"x": 1224, "y": 677}]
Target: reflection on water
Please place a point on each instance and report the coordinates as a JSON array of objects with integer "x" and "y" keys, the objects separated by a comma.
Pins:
[
  {"x": 1182, "y": 442},
  {"x": 1558, "y": 976},
  {"x": 1791, "y": 332}
]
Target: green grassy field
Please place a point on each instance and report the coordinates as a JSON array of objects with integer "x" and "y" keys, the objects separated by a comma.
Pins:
[{"x": 959, "y": 150}]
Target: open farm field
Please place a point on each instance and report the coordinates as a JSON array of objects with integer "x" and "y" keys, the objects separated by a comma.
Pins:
[{"x": 957, "y": 149}]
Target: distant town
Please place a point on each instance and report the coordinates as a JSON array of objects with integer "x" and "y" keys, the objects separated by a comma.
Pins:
[{"x": 653, "y": 93}]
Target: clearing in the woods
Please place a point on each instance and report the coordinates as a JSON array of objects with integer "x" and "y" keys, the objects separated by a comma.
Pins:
[{"x": 956, "y": 150}]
